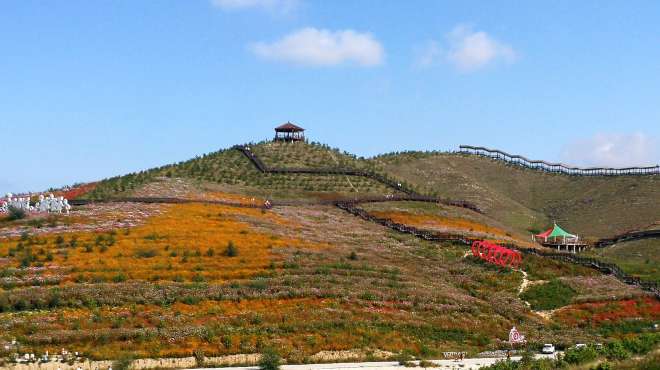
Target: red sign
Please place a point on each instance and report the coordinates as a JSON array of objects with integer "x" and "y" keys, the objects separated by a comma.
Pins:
[{"x": 496, "y": 254}]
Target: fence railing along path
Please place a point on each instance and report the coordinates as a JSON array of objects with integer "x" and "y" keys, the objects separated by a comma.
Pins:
[
  {"x": 519, "y": 160},
  {"x": 410, "y": 194},
  {"x": 629, "y": 236},
  {"x": 604, "y": 267},
  {"x": 162, "y": 200}
]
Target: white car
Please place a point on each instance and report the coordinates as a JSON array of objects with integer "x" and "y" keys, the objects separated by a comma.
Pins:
[{"x": 548, "y": 349}]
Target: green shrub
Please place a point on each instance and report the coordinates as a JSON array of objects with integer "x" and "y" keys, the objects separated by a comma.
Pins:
[
  {"x": 642, "y": 344},
  {"x": 405, "y": 358},
  {"x": 426, "y": 364},
  {"x": 270, "y": 359},
  {"x": 16, "y": 213},
  {"x": 231, "y": 250},
  {"x": 551, "y": 295},
  {"x": 119, "y": 278},
  {"x": 123, "y": 363},
  {"x": 580, "y": 355},
  {"x": 146, "y": 253},
  {"x": 616, "y": 351},
  {"x": 200, "y": 358}
]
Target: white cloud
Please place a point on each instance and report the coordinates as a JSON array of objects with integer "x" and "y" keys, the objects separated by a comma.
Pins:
[
  {"x": 281, "y": 6},
  {"x": 613, "y": 150},
  {"x": 318, "y": 47},
  {"x": 471, "y": 50},
  {"x": 428, "y": 55}
]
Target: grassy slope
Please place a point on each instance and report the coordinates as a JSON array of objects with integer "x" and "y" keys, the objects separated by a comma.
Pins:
[
  {"x": 305, "y": 155},
  {"x": 527, "y": 199},
  {"x": 441, "y": 214},
  {"x": 638, "y": 257},
  {"x": 230, "y": 167}
]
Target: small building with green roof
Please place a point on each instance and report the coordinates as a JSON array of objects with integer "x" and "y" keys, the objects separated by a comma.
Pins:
[{"x": 560, "y": 239}]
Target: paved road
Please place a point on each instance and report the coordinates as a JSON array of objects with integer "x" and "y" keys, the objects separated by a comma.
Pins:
[{"x": 468, "y": 363}]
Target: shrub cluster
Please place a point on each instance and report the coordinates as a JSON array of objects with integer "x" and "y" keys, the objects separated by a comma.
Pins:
[
  {"x": 549, "y": 296},
  {"x": 613, "y": 351},
  {"x": 16, "y": 213}
]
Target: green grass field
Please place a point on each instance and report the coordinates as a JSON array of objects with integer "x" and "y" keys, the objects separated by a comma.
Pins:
[{"x": 639, "y": 257}]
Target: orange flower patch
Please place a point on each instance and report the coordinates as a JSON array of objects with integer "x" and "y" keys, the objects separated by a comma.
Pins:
[
  {"x": 234, "y": 198},
  {"x": 181, "y": 326},
  {"x": 187, "y": 242},
  {"x": 439, "y": 222}
]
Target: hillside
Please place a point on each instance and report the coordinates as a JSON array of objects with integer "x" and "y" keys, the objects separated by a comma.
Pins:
[
  {"x": 117, "y": 279},
  {"x": 639, "y": 257},
  {"x": 234, "y": 172},
  {"x": 307, "y": 279},
  {"x": 530, "y": 200},
  {"x": 524, "y": 200}
]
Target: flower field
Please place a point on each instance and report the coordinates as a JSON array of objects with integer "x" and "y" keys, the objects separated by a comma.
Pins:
[
  {"x": 184, "y": 243},
  {"x": 77, "y": 191},
  {"x": 229, "y": 280},
  {"x": 644, "y": 309},
  {"x": 455, "y": 225}
]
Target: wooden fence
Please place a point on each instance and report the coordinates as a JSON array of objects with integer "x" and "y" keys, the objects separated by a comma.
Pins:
[
  {"x": 162, "y": 200},
  {"x": 633, "y": 235},
  {"x": 410, "y": 194},
  {"x": 521, "y": 161},
  {"x": 604, "y": 267}
]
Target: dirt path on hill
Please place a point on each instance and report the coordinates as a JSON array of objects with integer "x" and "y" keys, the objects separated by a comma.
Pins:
[{"x": 524, "y": 283}]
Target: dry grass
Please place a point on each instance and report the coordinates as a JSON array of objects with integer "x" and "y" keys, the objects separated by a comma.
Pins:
[{"x": 528, "y": 199}]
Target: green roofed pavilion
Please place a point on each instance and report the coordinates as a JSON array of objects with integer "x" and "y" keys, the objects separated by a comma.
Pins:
[
  {"x": 558, "y": 231},
  {"x": 558, "y": 238}
]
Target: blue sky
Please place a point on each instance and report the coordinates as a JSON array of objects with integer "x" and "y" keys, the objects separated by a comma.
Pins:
[{"x": 91, "y": 89}]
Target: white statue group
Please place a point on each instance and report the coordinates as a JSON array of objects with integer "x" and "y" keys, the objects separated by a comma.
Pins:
[{"x": 50, "y": 204}]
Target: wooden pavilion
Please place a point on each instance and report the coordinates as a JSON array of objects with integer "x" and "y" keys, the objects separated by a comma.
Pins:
[
  {"x": 560, "y": 239},
  {"x": 289, "y": 132}
]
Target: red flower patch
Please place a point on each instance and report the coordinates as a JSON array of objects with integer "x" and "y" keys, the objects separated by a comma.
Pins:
[{"x": 595, "y": 313}]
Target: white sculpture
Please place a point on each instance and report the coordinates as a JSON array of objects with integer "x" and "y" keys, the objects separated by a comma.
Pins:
[
  {"x": 50, "y": 204},
  {"x": 67, "y": 206}
]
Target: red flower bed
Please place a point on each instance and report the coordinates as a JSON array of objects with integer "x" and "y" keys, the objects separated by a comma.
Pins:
[
  {"x": 77, "y": 191},
  {"x": 595, "y": 313}
]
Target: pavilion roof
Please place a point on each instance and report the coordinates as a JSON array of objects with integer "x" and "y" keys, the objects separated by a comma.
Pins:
[
  {"x": 555, "y": 231},
  {"x": 289, "y": 127}
]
